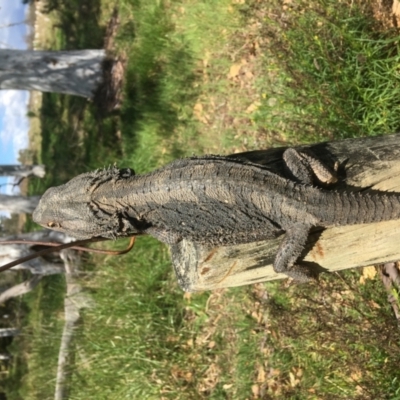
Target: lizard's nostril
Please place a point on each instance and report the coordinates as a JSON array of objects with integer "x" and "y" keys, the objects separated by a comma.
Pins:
[{"x": 53, "y": 225}]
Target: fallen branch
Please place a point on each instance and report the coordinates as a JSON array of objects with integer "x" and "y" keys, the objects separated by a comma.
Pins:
[
  {"x": 58, "y": 247},
  {"x": 20, "y": 289},
  {"x": 73, "y": 247},
  {"x": 74, "y": 301}
]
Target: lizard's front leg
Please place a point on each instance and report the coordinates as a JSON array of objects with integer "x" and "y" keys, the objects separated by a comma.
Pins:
[
  {"x": 289, "y": 252},
  {"x": 304, "y": 166}
]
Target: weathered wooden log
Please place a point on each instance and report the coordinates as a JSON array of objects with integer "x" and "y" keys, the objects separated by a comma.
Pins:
[{"x": 371, "y": 163}]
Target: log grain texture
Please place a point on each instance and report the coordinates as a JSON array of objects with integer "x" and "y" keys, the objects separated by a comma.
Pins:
[{"x": 371, "y": 163}]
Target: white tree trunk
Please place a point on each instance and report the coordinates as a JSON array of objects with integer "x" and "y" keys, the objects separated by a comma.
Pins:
[
  {"x": 23, "y": 171},
  {"x": 20, "y": 289},
  {"x": 5, "y": 332},
  {"x": 18, "y": 204},
  {"x": 72, "y": 72},
  {"x": 74, "y": 301}
]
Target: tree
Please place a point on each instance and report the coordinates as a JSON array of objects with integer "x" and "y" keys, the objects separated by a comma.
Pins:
[
  {"x": 38, "y": 267},
  {"x": 5, "y": 332},
  {"x": 78, "y": 72},
  {"x": 22, "y": 171},
  {"x": 18, "y": 204}
]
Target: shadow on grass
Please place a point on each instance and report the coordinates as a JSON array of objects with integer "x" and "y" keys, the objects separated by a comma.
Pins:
[
  {"x": 159, "y": 79},
  {"x": 78, "y": 22},
  {"x": 74, "y": 138},
  {"x": 154, "y": 97}
]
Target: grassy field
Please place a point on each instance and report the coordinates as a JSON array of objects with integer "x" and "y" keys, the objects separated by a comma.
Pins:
[{"x": 221, "y": 77}]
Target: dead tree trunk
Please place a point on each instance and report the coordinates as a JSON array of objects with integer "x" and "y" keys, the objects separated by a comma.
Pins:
[
  {"x": 77, "y": 72},
  {"x": 6, "y": 332},
  {"x": 20, "y": 289},
  {"x": 38, "y": 267},
  {"x": 18, "y": 204},
  {"x": 74, "y": 301},
  {"x": 22, "y": 171},
  {"x": 372, "y": 163}
]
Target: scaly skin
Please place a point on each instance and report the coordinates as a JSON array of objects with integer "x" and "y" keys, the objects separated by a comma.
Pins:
[{"x": 212, "y": 200}]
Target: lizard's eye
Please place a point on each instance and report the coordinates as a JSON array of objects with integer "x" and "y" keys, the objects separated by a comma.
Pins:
[{"x": 53, "y": 225}]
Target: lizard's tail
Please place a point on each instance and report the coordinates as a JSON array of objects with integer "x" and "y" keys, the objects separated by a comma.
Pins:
[{"x": 350, "y": 208}]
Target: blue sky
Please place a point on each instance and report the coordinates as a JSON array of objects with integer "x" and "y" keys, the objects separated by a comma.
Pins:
[{"x": 14, "y": 124}]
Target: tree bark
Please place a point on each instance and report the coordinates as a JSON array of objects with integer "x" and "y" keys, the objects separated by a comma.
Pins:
[
  {"x": 74, "y": 301},
  {"x": 6, "y": 332},
  {"x": 23, "y": 171},
  {"x": 18, "y": 204},
  {"x": 365, "y": 163},
  {"x": 20, "y": 289},
  {"x": 77, "y": 72}
]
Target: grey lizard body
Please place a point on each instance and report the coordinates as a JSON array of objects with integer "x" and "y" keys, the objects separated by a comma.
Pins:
[{"x": 213, "y": 200}]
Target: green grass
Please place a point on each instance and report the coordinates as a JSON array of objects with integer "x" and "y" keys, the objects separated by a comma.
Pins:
[
  {"x": 207, "y": 76},
  {"x": 161, "y": 89},
  {"x": 331, "y": 338},
  {"x": 148, "y": 338},
  {"x": 338, "y": 76}
]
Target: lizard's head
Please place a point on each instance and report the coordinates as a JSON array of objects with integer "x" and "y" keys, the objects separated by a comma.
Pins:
[
  {"x": 65, "y": 208},
  {"x": 70, "y": 208}
]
